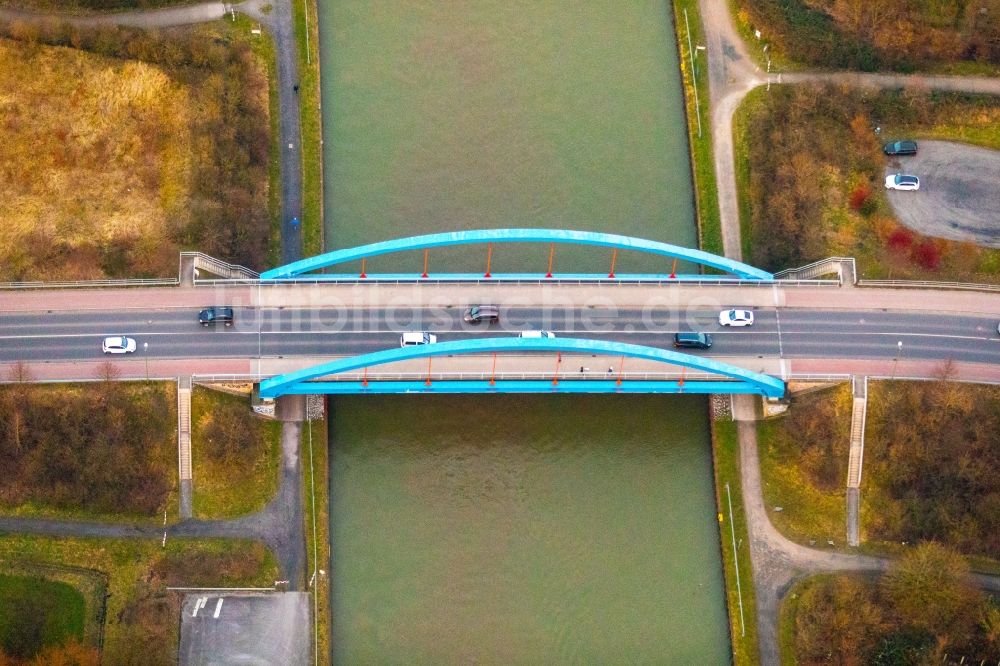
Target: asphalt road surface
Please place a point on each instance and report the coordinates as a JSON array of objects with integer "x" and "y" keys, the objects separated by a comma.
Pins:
[{"x": 272, "y": 332}]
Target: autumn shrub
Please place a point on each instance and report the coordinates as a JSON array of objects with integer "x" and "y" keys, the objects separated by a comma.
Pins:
[
  {"x": 900, "y": 240},
  {"x": 878, "y": 34},
  {"x": 931, "y": 457},
  {"x": 927, "y": 254},
  {"x": 925, "y": 610},
  {"x": 105, "y": 448},
  {"x": 860, "y": 196}
]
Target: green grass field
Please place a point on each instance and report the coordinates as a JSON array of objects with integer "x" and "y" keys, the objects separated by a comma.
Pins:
[{"x": 35, "y": 613}]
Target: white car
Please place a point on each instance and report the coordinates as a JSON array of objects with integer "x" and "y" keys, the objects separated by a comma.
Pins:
[
  {"x": 118, "y": 345},
  {"x": 902, "y": 181},
  {"x": 536, "y": 334},
  {"x": 411, "y": 338},
  {"x": 736, "y": 318}
]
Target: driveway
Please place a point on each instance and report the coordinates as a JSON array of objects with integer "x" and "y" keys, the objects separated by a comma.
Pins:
[{"x": 959, "y": 196}]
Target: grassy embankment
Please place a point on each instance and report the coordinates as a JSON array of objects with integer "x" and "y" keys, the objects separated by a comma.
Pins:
[
  {"x": 235, "y": 455},
  {"x": 316, "y": 501},
  {"x": 312, "y": 127},
  {"x": 725, "y": 446},
  {"x": 149, "y": 143},
  {"x": 810, "y": 170},
  {"x": 142, "y": 618},
  {"x": 938, "y": 37},
  {"x": 742, "y": 624}
]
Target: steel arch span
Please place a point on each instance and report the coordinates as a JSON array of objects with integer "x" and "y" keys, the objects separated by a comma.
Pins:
[
  {"x": 740, "y": 380},
  {"x": 429, "y": 241}
]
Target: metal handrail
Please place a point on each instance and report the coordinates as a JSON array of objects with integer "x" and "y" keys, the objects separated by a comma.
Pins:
[
  {"x": 929, "y": 284},
  {"x": 596, "y": 281},
  {"x": 93, "y": 284}
]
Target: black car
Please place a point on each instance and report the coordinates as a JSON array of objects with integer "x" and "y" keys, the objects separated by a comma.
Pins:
[
  {"x": 216, "y": 315},
  {"x": 900, "y": 148},
  {"x": 693, "y": 340}
]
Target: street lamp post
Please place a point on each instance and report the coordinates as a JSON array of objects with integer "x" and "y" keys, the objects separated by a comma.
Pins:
[
  {"x": 145, "y": 353},
  {"x": 899, "y": 352}
]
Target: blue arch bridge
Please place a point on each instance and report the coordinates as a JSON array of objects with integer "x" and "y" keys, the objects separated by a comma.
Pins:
[
  {"x": 328, "y": 378},
  {"x": 332, "y": 377}
]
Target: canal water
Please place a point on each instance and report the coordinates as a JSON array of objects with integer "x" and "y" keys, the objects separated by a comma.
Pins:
[
  {"x": 514, "y": 529},
  {"x": 524, "y": 530}
]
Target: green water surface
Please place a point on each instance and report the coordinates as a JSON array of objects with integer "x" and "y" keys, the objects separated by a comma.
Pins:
[
  {"x": 440, "y": 116},
  {"x": 524, "y": 530}
]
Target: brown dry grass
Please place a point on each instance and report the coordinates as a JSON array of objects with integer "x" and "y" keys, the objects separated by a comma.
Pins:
[{"x": 94, "y": 161}]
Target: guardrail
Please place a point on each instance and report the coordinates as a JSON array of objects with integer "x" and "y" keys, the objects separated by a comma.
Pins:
[
  {"x": 596, "y": 281},
  {"x": 92, "y": 284},
  {"x": 928, "y": 284}
]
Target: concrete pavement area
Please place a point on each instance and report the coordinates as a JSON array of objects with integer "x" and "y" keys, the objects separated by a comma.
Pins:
[{"x": 246, "y": 628}]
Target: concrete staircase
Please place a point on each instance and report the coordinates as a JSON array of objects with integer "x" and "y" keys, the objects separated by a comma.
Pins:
[
  {"x": 184, "y": 443},
  {"x": 856, "y": 456}
]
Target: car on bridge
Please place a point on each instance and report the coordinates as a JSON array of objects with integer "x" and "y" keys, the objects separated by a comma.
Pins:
[
  {"x": 736, "y": 318},
  {"x": 693, "y": 340},
  {"x": 216, "y": 315},
  {"x": 482, "y": 313},
  {"x": 900, "y": 148},
  {"x": 536, "y": 334},
  {"x": 411, "y": 338},
  {"x": 902, "y": 181},
  {"x": 118, "y": 345}
]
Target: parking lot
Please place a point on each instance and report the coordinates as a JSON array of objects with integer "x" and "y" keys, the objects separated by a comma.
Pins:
[{"x": 959, "y": 196}]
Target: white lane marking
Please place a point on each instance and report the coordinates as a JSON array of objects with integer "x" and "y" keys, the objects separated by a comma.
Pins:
[
  {"x": 777, "y": 319},
  {"x": 198, "y": 605},
  {"x": 218, "y": 607},
  {"x": 784, "y": 369}
]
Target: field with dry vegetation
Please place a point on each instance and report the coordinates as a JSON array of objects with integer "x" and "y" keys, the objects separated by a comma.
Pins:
[
  {"x": 810, "y": 171},
  {"x": 122, "y": 147}
]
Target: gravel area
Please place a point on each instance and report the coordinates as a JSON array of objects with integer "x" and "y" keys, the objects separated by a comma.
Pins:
[{"x": 959, "y": 196}]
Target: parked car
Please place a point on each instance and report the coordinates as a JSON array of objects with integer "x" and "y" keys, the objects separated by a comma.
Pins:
[
  {"x": 411, "y": 338},
  {"x": 902, "y": 181},
  {"x": 536, "y": 334},
  {"x": 736, "y": 318},
  {"x": 900, "y": 148},
  {"x": 216, "y": 315},
  {"x": 482, "y": 313},
  {"x": 118, "y": 345},
  {"x": 693, "y": 340}
]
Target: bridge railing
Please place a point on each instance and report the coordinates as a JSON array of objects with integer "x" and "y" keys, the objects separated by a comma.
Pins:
[
  {"x": 928, "y": 284},
  {"x": 597, "y": 281},
  {"x": 92, "y": 284}
]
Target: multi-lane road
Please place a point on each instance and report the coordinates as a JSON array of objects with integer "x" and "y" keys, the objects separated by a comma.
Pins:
[{"x": 174, "y": 333}]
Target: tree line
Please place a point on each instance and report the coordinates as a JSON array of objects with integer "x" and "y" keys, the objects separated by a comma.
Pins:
[{"x": 879, "y": 34}]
